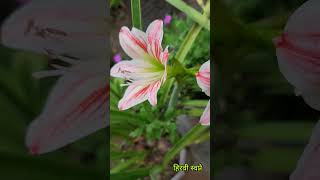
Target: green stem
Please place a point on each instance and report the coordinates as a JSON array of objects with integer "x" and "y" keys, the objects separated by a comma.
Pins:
[
  {"x": 175, "y": 69},
  {"x": 148, "y": 109},
  {"x": 186, "y": 140},
  {"x": 174, "y": 96},
  {"x": 206, "y": 10},
  {"x": 191, "y": 37},
  {"x": 136, "y": 14},
  {"x": 166, "y": 92},
  {"x": 123, "y": 166},
  {"x": 188, "y": 42},
  {"x": 201, "y": 19}
]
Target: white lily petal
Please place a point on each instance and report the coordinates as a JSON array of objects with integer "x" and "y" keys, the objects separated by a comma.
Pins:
[
  {"x": 203, "y": 77},
  {"x": 164, "y": 56},
  {"x": 76, "y": 107},
  {"x": 48, "y": 73},
  {"x": 133, "y": 96},
  {"x": 139, "y": 34},
  {"x": 154, "y": 35},
  {"x": 133, "y": 44},
  {"x": 154, "y": 88},
  {"x": 129, "y": 69},
  {"x": 57, "y": 27},
  {"x": 298, "y": 52},
  {"x": 205, "y": 117}
]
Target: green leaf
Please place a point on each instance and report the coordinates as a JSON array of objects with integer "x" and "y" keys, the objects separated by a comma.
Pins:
[
  {"x": 136, "y": 14},
  {"x": 136, "y": 133},
  {"x": 123, "y": 117},
  {"x": 114, "y": 3},
  {"x": 134, "y": 174},
  {"x": 155, "y": 171},
  {"x": 119, "y": 131},
  {"x": 119, "y": 155},
  {"x": 124, "y": 165},
  {"x": 197, "y": 103},
  {"x": 186, "y": 140},
  {"x": 188, "y": 42},
  {"x": 154, "y": 130},
  {"x": 192, "y": 13},
  {"x": 196, "y": 112},
  {"x": 165, "y": 92}
]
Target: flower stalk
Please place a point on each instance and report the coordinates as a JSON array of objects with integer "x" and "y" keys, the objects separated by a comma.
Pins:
[{"x": 136, "y": 14}]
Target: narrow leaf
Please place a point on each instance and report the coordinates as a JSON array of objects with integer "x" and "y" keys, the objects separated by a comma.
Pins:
[
  {"x": 135, "y": 174},
  {"x": 119, "y": 155},
  {"x": 191, "y": 12},
  {"x": 123, "y": 165},
  {"x": 186, "y": 140},
  {"x": 136, "y": 14}
]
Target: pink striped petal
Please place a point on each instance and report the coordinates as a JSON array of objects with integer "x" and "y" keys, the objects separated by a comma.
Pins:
[
  {"x": 304, "y": 19},
  {"x": 133, "y": 43},
  {"x": 123, "y": 69},
  {"x": 76, "y": 107},
  {"x": 154, "y": 88},
  {"x": 164, "y": 56},
  {"x": 154, "y": 35},
  {"x": 73, "y": 28},
  {"x": 133, "y": 96},
  {"x": 130, "y": 70},
  {"x": 205, "y": 118},
  {"x": 140, "y": 35},
  {"x": 302, "y": 71},
  {"x": 203, "y": 77},
  {"x": 298, "y": 52},
  {"x": 308, "y": 165}
]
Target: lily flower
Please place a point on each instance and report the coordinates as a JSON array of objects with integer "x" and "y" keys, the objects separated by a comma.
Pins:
[
  {"x": 74, "y": 32},
  {"x": 299, "y": 61},
  {"x": 203, "y": 80},
  {"x": 147, "y": 70},
  {"x": 298, "y": 52}
]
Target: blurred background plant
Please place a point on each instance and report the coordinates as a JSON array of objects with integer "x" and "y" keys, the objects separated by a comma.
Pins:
[
  {"x": 145, "y": 140},
  {"x": 261, "y": 126}
]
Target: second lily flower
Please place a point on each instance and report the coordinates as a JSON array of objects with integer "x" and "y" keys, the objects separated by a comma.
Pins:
[{"x": 203, "y": 80}]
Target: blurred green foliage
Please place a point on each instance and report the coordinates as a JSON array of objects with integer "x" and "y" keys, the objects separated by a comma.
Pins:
[
  {"x": 115, "y": 3},
  {"x": 144, "y": 120}
]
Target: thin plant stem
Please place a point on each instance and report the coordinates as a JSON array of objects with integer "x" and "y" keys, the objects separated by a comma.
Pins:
[{"x": 136, "y": 14}]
